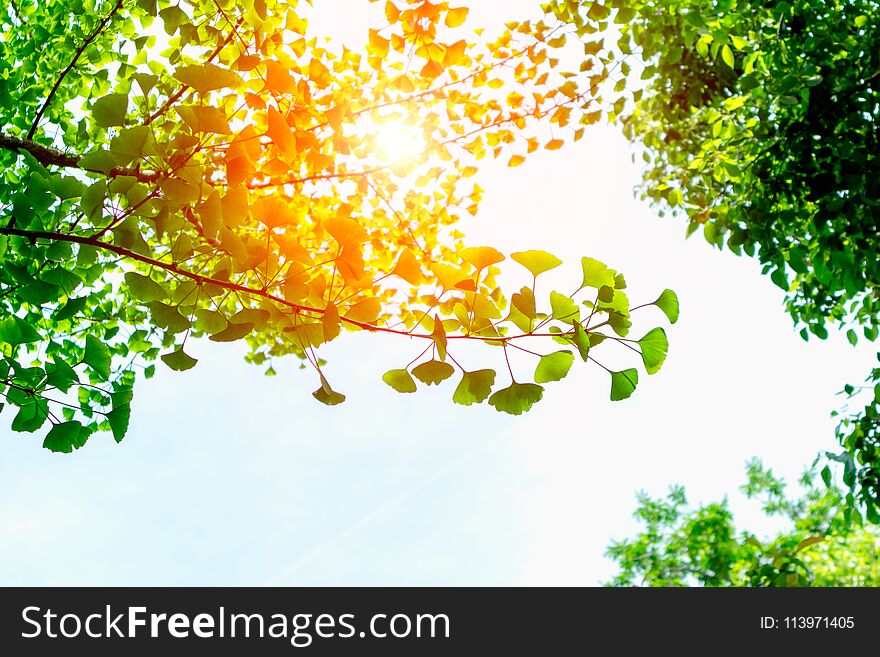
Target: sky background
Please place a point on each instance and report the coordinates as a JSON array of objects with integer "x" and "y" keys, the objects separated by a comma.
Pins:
[{"x": 228, "y": 477}]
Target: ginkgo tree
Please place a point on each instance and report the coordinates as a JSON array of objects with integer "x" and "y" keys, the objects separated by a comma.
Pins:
[{"x": 179, "y": 169}]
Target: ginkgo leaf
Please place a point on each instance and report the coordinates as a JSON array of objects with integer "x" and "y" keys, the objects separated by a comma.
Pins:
[
  {"x": 400, "y": 380},
  {"x": 110, "y": 110},
  {"x": 517, "y": 398},
  {"x": 366, "y": 311},
  {"x": 596, "y": 274},
  {"x": 64, "y": 437},
  {"x": 207, "y": 77},
  {"x": 654, "y": 347},
  {"x": 144, "y": 288},
  {"x": 232, "y": 332},
  {"x": 474, "y": 387},
  {"x": 457, "y": 16},
  {"x": 345, "y": 231},
  {"x": 327, "y": 395},
  {"x": 554, "y": 367},
  {"x": 179, "y": 361},
  {"x": 97, "y": 356},
  {"x": 433, "y": 372},
  {"x": 482, "y": 256},
  {"x": 408, "y": 268},
  {"x": 623, "y": 384},
  {"x": 439, "y": 337},
  {"x": 668, "y": 303},
  {"x": 581, "y": 340},
  {"x": 564, "y": 307},
  {"x": 536, "y": 261},
  {"x": 15, "y": 331}
]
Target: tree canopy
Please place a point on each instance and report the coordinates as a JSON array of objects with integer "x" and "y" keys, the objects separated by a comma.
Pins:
[
  {"x": 172, "y": 170},
  {"x": 682, "y": 545},
  {"x": 758, "y": 123}
]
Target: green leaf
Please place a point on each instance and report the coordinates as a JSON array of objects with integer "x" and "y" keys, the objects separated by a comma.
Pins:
[
  {"x": 326, "y": 395},
  {"x": 65, "y": 437},
  {"x": 517, "y": 398},
  {"x": 668, "y": 303},
  {"x": 581, "y": 340},
  {"x": 60, "y": 375},
  {"x": 168, "y": 318},
  {"x": 654, "y": 347},
  {"x": 31, "y": 415},
  {"x": 179, "y": 361},
  {"x": 210, "y": 321},
  {"x": 564, "y": 307},
  {"x": 119, "y": 419},
  {"x": 232, "y": 332},
  {"x": 400, "y": 380},
  {"x": 826, "y": 476},
  {"x": 110, "y": 110},
  {"x": 97, "y": 356},
  {"x": 207, "y": 77},
  {"x": 132, "y": 144},
  {"x": 474, "y": 387},
  {"x": 596, "y": 274},
  {"x": 727, "y": 56},
  {"x": 537, "y": 262},
  {"x": 15, "y": 331},
  {"x": 433, "y": 372},
  {"x": 554, "y": 367},
  {"x": 144, "y": 288},
  {"x": 623, "y": 384},
  {"x": 100, "y": 160},
  {"x": 205, "y": 119}
]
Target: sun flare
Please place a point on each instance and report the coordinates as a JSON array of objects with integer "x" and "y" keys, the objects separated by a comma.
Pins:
[{"x": 396, "y": 142}]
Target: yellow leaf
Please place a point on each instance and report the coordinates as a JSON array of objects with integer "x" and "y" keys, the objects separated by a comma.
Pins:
[
  {"x": 554, "y": 144},
  {"x": 378, "y": 45},
  {"x": 345, "y": 231},
  {"x": 516, "y": 160},
  {"x": 319, "y": 74},
  {"x": 392, "y": 13},
  {"x": 456, "y": 17},
  {"x": 366, "y": 311}
]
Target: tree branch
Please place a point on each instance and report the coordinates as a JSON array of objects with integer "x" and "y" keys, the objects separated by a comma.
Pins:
[
  {"x": 48, "y": 156},
  {"x": 262, "y": 293},
  {"x": 76, "y": 56}
]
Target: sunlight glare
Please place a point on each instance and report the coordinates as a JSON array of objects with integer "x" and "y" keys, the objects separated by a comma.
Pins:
[{"x": 396, "y": 142}]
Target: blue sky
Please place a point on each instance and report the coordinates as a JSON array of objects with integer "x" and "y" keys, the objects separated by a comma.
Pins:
[{"x": 228, "y": 477}]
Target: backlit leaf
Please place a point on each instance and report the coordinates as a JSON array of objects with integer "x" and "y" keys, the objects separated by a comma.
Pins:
[
  {"x": 623, "y": 384},
  {"x": 433, "y": 372},
  {"x": 517, "y": 398}
]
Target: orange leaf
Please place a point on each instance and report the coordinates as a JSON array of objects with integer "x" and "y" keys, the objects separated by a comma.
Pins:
[
  {"x": 482, "y": 256},
  {"x": 345, "y": 231},
  {"x": 408, "y": 268},
  {"x": 280, "y": 132},
  {"x": 279, "y": 79}
]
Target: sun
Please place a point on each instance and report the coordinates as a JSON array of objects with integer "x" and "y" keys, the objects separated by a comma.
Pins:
[{"x": 396, "y": 142}]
